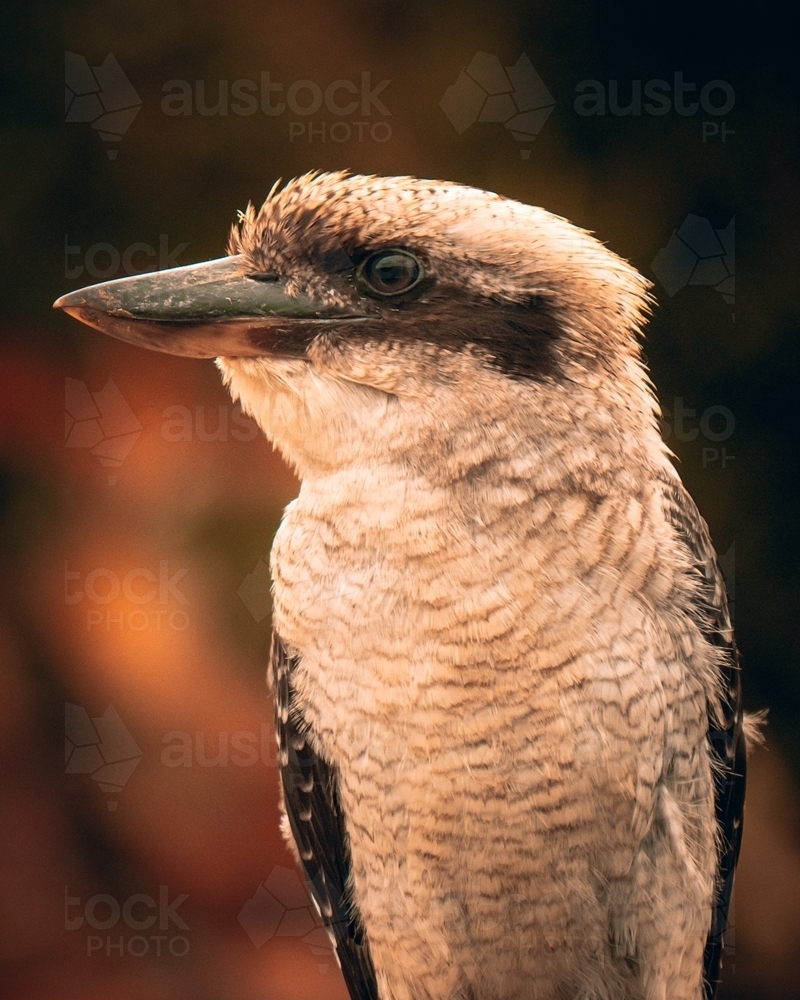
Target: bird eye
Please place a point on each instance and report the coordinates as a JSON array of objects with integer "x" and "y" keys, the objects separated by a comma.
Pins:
[{"x": 389, "y": 272}]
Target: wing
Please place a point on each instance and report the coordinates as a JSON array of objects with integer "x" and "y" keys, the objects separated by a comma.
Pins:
[
  {"x": 727, "y": 739},
  {"x": 311, "y": 797}
]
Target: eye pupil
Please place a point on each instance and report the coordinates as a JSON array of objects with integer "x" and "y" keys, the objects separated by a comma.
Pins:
[
  {"x": 393, "y": 271},
  {"x": 390, "y": 272}
]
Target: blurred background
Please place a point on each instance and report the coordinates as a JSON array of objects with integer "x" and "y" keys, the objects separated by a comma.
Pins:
[{"x": 139, "y": 845}]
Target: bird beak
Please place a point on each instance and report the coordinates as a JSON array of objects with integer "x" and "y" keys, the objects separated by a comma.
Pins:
[{"x": 203, "y": 311}]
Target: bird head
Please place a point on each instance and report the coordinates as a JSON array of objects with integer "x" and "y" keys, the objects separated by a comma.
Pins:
[{"x": 364, "y": 315}]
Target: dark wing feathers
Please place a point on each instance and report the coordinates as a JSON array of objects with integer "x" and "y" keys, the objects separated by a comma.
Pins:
[
  {"x": 311, "y": 797},
  {"x": 727, "y": 738}
]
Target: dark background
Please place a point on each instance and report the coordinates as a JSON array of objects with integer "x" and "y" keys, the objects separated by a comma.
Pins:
[{"x": 183, "y": 666}]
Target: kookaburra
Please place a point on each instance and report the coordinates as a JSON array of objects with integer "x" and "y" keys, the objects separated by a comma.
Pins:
[{"x": 507, "y": 692}]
